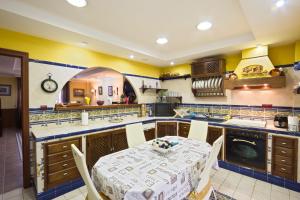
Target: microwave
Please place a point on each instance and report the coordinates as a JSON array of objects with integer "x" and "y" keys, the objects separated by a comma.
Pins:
[{"x": 163, "y": 109}]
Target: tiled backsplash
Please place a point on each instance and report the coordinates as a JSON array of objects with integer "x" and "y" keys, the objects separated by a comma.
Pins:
[
  {"x": 242, "y": 111},
  {"x": 37, "y": 116}
]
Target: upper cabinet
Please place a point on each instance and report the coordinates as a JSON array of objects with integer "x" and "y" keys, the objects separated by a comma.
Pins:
[{"x": 208, "y": 67}]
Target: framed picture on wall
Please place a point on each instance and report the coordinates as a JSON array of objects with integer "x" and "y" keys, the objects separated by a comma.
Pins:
[
  {"x": 100, "y": 91},
  {"x": 78, "y": 92},
  {"x": 5, "y": 90},
  {"x": 110, "y": 91}
]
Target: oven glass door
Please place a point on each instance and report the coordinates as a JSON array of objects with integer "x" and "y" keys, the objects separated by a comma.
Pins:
[{"x": 247, "y": 151}]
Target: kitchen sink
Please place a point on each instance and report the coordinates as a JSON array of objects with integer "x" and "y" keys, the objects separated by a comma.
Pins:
[{"x": 246, "y": 122}]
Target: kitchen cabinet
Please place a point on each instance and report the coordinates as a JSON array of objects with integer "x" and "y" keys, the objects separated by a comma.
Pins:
[
  {"x": 60, "y": 165},
  {"x": 208, "y": 67},
  {"x": 184, "y": 129},
  {"x": 213, "y": 134},
  {"x": 104, "y": 143},
  {"x": 150, "y": 134},
  {"x": 166, "y": 129},
  {"x": 284, "y": 157}
]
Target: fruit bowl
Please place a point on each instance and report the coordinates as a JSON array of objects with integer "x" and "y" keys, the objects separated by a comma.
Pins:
[{"x": 162, "y": 146}]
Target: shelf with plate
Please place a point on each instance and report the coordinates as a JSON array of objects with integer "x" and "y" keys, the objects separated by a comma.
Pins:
[{"x": 208, "y": 77}]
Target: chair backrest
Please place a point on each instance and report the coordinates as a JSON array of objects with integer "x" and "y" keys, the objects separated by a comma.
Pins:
[
  {"x": 198, "y": 130},
  {"x": 83, "y": 170},
  {"x": 212, "y": 158},
  {"x": 135, "y": 134}
]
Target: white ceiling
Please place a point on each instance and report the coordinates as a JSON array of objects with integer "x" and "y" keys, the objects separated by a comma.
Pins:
[
  {"x": 128, "y": 27},
  {"x": 10, "y": 66}
]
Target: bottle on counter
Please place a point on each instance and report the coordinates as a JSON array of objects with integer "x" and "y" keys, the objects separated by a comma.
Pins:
[{"x": 84, "y": 118}]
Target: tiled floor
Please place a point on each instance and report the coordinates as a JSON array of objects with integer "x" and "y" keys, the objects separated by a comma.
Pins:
[
  {"x": 235, "y": 185},
  {"x": 11, "y": 175}
]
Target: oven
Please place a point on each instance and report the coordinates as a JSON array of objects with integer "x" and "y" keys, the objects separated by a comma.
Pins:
[{"x": 246, "y": 148}]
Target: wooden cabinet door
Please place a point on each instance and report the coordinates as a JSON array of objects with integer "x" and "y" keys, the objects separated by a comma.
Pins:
[
  {"x": 119, "y": 140},
  {"x": 150, "y": 134},
  {"x": 166, "y": 129},
  {"x": 212, "y": 135},
  {"x": 97, "y": 145},
  {"x": 184, "y": 129}
]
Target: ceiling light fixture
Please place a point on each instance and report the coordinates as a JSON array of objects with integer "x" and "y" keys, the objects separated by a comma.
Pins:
[
  {"x": 203, "y": 26},
  {"x": 172, "y": 63},
  {"x": 162, "y": 40},
  {"x": 131, "y": 56},
  {"x": 77, "y": 3},
  {"x": 280, "y": 3},
  {"x": 83, "y": 43}
]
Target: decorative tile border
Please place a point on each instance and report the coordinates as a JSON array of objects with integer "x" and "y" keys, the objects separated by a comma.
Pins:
[{"x": 263, "y": 176}]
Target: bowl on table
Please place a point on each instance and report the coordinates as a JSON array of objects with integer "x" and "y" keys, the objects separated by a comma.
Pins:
[{"x": 100, "y": 103}]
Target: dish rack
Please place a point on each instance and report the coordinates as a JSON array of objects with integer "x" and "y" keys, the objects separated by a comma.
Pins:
[
  {"x": 208, "y": 86},
  {"x": 208, "y": 77}
]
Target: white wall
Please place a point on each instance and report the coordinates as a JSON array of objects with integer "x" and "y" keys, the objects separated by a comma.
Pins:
[
  {"x": 148, "y": 96},
  {"x": 37, "y": 73},
  {"x": 277, "y": 97}
]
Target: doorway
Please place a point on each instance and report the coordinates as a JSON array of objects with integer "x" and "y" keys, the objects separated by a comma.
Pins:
[{"x": 14, "y": 126}]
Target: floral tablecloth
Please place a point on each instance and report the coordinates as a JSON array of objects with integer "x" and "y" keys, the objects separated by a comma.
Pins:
[{"x": 142, "y": 173}]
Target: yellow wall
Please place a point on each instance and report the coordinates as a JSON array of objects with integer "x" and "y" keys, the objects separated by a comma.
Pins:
[
  {"x": 43, "y": 49},
  {"x": 297, "y": 51},
  {"x": 280, "y": 55}
]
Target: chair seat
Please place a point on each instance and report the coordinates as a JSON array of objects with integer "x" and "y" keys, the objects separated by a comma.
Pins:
[
  {"x": 101, "y": 195},
  {"x": 200, "y": 195}
]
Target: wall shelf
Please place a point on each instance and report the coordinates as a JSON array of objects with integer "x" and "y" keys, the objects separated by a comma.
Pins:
[
  {"x": 157, "y": 90},
  {"x": 175, "y": 77}
]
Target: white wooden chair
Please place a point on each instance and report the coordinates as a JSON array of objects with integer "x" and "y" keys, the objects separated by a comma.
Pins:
[
  {"x": 204, "y": 188},
  {"x": 135, "y": 134},
  {"x": 83, "y": 170},
  {"x": 198, "y": 130}
]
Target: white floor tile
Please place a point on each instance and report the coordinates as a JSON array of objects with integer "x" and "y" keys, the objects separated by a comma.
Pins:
[
  {"x": 14, "y": 193},
  {"x": 294, "y": 194},
  {"x": 241, "y": 196},
  {"x": 257, "y": 195},
  {"x": 275, "y": 195},
  {"x": 72, "y": 194},
  {"x": 262, "y": 187},
  {"x": 28, "y": 194},
  {"x": 60, "y": 198},
  {"x": 280, "y": 189},
  {"x": 228, "y": 190},
  {"x": 83, "y": 189}
]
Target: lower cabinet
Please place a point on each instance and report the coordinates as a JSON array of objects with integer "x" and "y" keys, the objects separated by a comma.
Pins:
[
  {"x": 104, "y": 143},
  {"x": 60, "y": 165},
  {"x": 166, "y": 129},
  {"x": 284, "y": 157},
  {"x": 212, "y": 135},
  {"x": 184, "y": 129},
  {"x": 150, "y": 134}
]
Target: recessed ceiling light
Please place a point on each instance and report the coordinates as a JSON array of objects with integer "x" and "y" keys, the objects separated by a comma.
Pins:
[
  {"x": 162, "y": 40},
  {"x": 280, "y": 3},
  {"x": 83, "y": 43},
  {"x": 77, "y": 3},
  {"x": 172, "y": 63},
  {"x": 203, "y": 26},
  {"x": 131, "y": 56}
]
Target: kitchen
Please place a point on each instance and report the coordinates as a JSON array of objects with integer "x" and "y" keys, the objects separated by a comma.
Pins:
[{"x": 243, "y": 84}]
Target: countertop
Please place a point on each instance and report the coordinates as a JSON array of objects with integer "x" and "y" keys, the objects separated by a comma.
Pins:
[{"x": 66, "y": 129}]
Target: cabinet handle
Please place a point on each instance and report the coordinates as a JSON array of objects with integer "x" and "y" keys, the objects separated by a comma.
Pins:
[
  {"x": 64, "y": 165},
  {"x": 283, "y": 169},
  {"x": 65, "y": 146},
  {"x": 64, "y": 156},
  {"x": 283, "y": 151},
  {"x": 283, "y": 143},
  {"x": 282, "y": 160},
  {"x": 65, "y": 174}
]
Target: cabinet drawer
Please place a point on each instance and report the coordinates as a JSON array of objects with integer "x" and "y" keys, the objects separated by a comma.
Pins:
[
  {"x": 283, "y": 171},
  {"x": 58, "y": 147},
  {"x": 63, "y": 176},
  {"x": 284, "y": 152},
  {"x": 284, "y": 142},
  {"x": 61, "y": 166},
  {"x": 282, "y": 160},
  {"x": 54, "y": 158}
]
